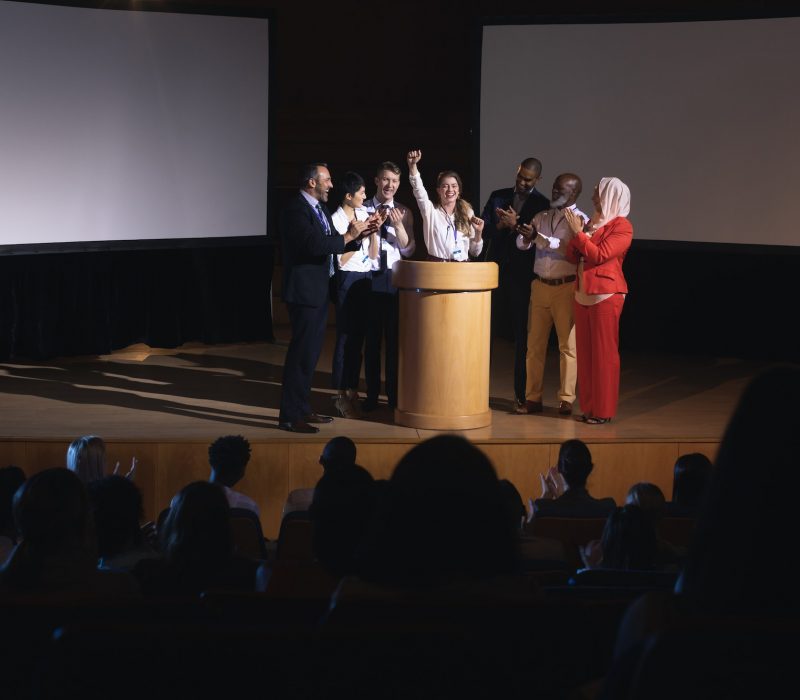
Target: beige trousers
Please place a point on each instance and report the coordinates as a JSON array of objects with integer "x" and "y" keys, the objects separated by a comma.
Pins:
[{"x": 551, "y": 306}]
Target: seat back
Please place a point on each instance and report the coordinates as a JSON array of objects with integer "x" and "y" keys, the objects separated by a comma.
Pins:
[
  {"x": 572, "y": 532},
  {"x": 247, "y": 535},
  {"x": 296, "y": 537}
]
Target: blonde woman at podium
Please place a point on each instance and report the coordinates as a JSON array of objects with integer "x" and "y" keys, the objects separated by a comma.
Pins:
[{"x": 451, "y": 230}]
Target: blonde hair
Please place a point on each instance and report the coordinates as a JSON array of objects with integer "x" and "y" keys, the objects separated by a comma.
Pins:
[
  {"x": 86, "y": 456},
  {"x": 463, "y": 207}
]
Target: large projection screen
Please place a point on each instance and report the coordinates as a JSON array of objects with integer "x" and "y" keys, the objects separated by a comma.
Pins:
[
  {"x": 700, "y": 119},
  {"x": 131, "y": 126}
]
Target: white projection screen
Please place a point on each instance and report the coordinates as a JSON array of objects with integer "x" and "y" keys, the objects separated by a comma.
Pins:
[
  {"x": 121, "y": 125},
  {"x": 700, "y": 119}
]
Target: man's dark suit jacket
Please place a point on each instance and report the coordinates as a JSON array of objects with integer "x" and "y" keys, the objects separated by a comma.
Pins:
[
  {"x": 306, "y": 250},
  {"x": 502, "y": 243},
  {"x": 573, "y": 503}
]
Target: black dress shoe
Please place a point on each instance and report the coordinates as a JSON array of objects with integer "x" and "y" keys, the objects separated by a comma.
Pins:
[
  {"x": 316, "y": 418},
  {"x": 369, "y": 404},
  {"x": 297, "y": 426}
]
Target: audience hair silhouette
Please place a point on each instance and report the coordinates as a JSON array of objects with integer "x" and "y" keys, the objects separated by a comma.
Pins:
[
  {"x": 228, "y": 457},
  {"x": 575, "y": 463},
  {"x": 11, "y": 478},
  {"x": 338, "y": 452},
  {"x": 649, "y": 498},
  {"x": 443, "y": 520},
  {"x": 198, "y": 549},
  {"x": 629, "y": 540},
  {"x": 86, "y": 456},
  {"x": 513, "y": 504},
  {"x": 691, "y": 476},
  {"x": 57, "y": 552},
  {"x": 116, "y": 504},
  {"x": 747, "y": 526}
]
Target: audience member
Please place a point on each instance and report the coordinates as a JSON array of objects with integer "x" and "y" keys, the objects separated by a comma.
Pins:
[
  {"x": 564, "y": 492},
  {"x": 689, "y": 483},
  {"x": 228, "y": 457},
  {"x": 342, "y": 510},
  {"x": 116, "y": 505},
  {"x": 11, "y": 478},
  {"x": 443, "y": 520},
  {"x": 339, "y": 452},
  {"x": 57, "y": 553},
  {"x": 629, "y": 540},
  {"x": 198, "y": 548},
  {"x": 745, "y": 525},
  {"x": 86, "y": 456}
]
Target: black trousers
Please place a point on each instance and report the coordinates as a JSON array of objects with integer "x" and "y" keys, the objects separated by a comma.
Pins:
[
  {"x": 382, "y": 332},
  {"x": 352, "y": 299},
  {"x": 510, "y": 304},
  {"x": 308, "y": 333}
]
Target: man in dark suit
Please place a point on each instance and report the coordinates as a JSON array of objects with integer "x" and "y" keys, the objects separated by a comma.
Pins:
[
  {"x": 309, "y": 244},
  {"x": 504, "y": 211}
]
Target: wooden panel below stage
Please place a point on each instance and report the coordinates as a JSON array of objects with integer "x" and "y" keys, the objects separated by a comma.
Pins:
[{"x": 276, "y": 467}]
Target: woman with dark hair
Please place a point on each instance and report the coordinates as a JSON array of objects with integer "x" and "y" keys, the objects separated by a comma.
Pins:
[
  {"x": 629, "y": 540},
  {"x": 198, "y": 548},
  {"x": 690, "y": 479},
  {"x": 352, "y": 294},
  {"x": 57, "y": 552},
  {"x": 451, "y": 230},
  {"x": 599, "y": 248}
]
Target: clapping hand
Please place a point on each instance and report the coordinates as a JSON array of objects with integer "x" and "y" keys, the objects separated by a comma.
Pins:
[
  {"x": 395, "y": 217},
  {"x": 525, "y": 230},
  {"x": 552, "y": 484},
  {"x": 131, "y": 473},
  {"x": 574, "y": 221},
  {"x": 507, "y": 218}
]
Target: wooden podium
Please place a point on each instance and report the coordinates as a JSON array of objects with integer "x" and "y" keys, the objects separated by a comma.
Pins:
[{"x": 445, "y": 327}]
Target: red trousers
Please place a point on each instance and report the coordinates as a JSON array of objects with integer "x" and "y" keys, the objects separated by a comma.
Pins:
[{"x": 597, "y": 347}]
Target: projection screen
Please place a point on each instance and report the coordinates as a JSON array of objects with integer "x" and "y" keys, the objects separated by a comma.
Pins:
[
  {"x": 122, "y": 125},
  {"x": 698, "y": 118}
]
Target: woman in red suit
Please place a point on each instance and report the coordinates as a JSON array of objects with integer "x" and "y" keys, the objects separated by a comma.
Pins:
[{"x": 599, "y": 296}]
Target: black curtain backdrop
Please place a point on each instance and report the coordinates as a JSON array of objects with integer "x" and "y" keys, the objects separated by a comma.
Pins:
[{"x": 65, "y": 304}]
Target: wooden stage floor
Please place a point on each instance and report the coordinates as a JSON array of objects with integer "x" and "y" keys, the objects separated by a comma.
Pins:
[{"x": 166, "y": 406}]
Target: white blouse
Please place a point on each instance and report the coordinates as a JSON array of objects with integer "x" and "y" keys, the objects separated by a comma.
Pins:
[
  {"x": 438, "y": 228},
  {"x": 359, "y": 261}
]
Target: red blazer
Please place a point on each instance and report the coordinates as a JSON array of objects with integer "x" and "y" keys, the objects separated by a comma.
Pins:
[{"x": 602, "y": 254}]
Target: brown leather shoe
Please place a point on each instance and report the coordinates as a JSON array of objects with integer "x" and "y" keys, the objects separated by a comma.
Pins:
[
  {"x": 317, "y": 418},
  {"x": 565, "y": 408},
  {"x": 529, "y": 407},
  {"x": 297, "y": 426}
]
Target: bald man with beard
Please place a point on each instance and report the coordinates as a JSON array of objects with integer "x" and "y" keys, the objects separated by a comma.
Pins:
[{"x": 552, "y": 294}]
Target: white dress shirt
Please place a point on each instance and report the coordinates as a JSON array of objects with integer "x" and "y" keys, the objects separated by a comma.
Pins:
[
  {"x": 359, "y": 261},
  {"x": 551, "y": 263},
  {"x": 389, "y": 244},
  {"x": 438, "y": 228}
]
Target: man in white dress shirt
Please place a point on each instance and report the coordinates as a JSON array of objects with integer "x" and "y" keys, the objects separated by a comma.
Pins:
[
  {"x": 552, "y": 294},
  {"x": 397, "y": 242}
]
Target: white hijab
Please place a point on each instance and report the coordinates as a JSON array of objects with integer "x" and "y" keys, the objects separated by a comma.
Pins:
[{"x": 615, "y": 199}]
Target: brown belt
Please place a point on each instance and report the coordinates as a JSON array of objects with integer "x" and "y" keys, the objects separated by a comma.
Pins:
[{"x": 556, "y": 282}]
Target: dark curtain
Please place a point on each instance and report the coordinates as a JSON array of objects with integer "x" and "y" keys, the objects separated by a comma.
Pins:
[{"x": 66, "y": 304}]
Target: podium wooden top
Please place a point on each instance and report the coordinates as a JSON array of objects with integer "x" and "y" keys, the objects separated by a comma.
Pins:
[{"x": 449, "y": 277}]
